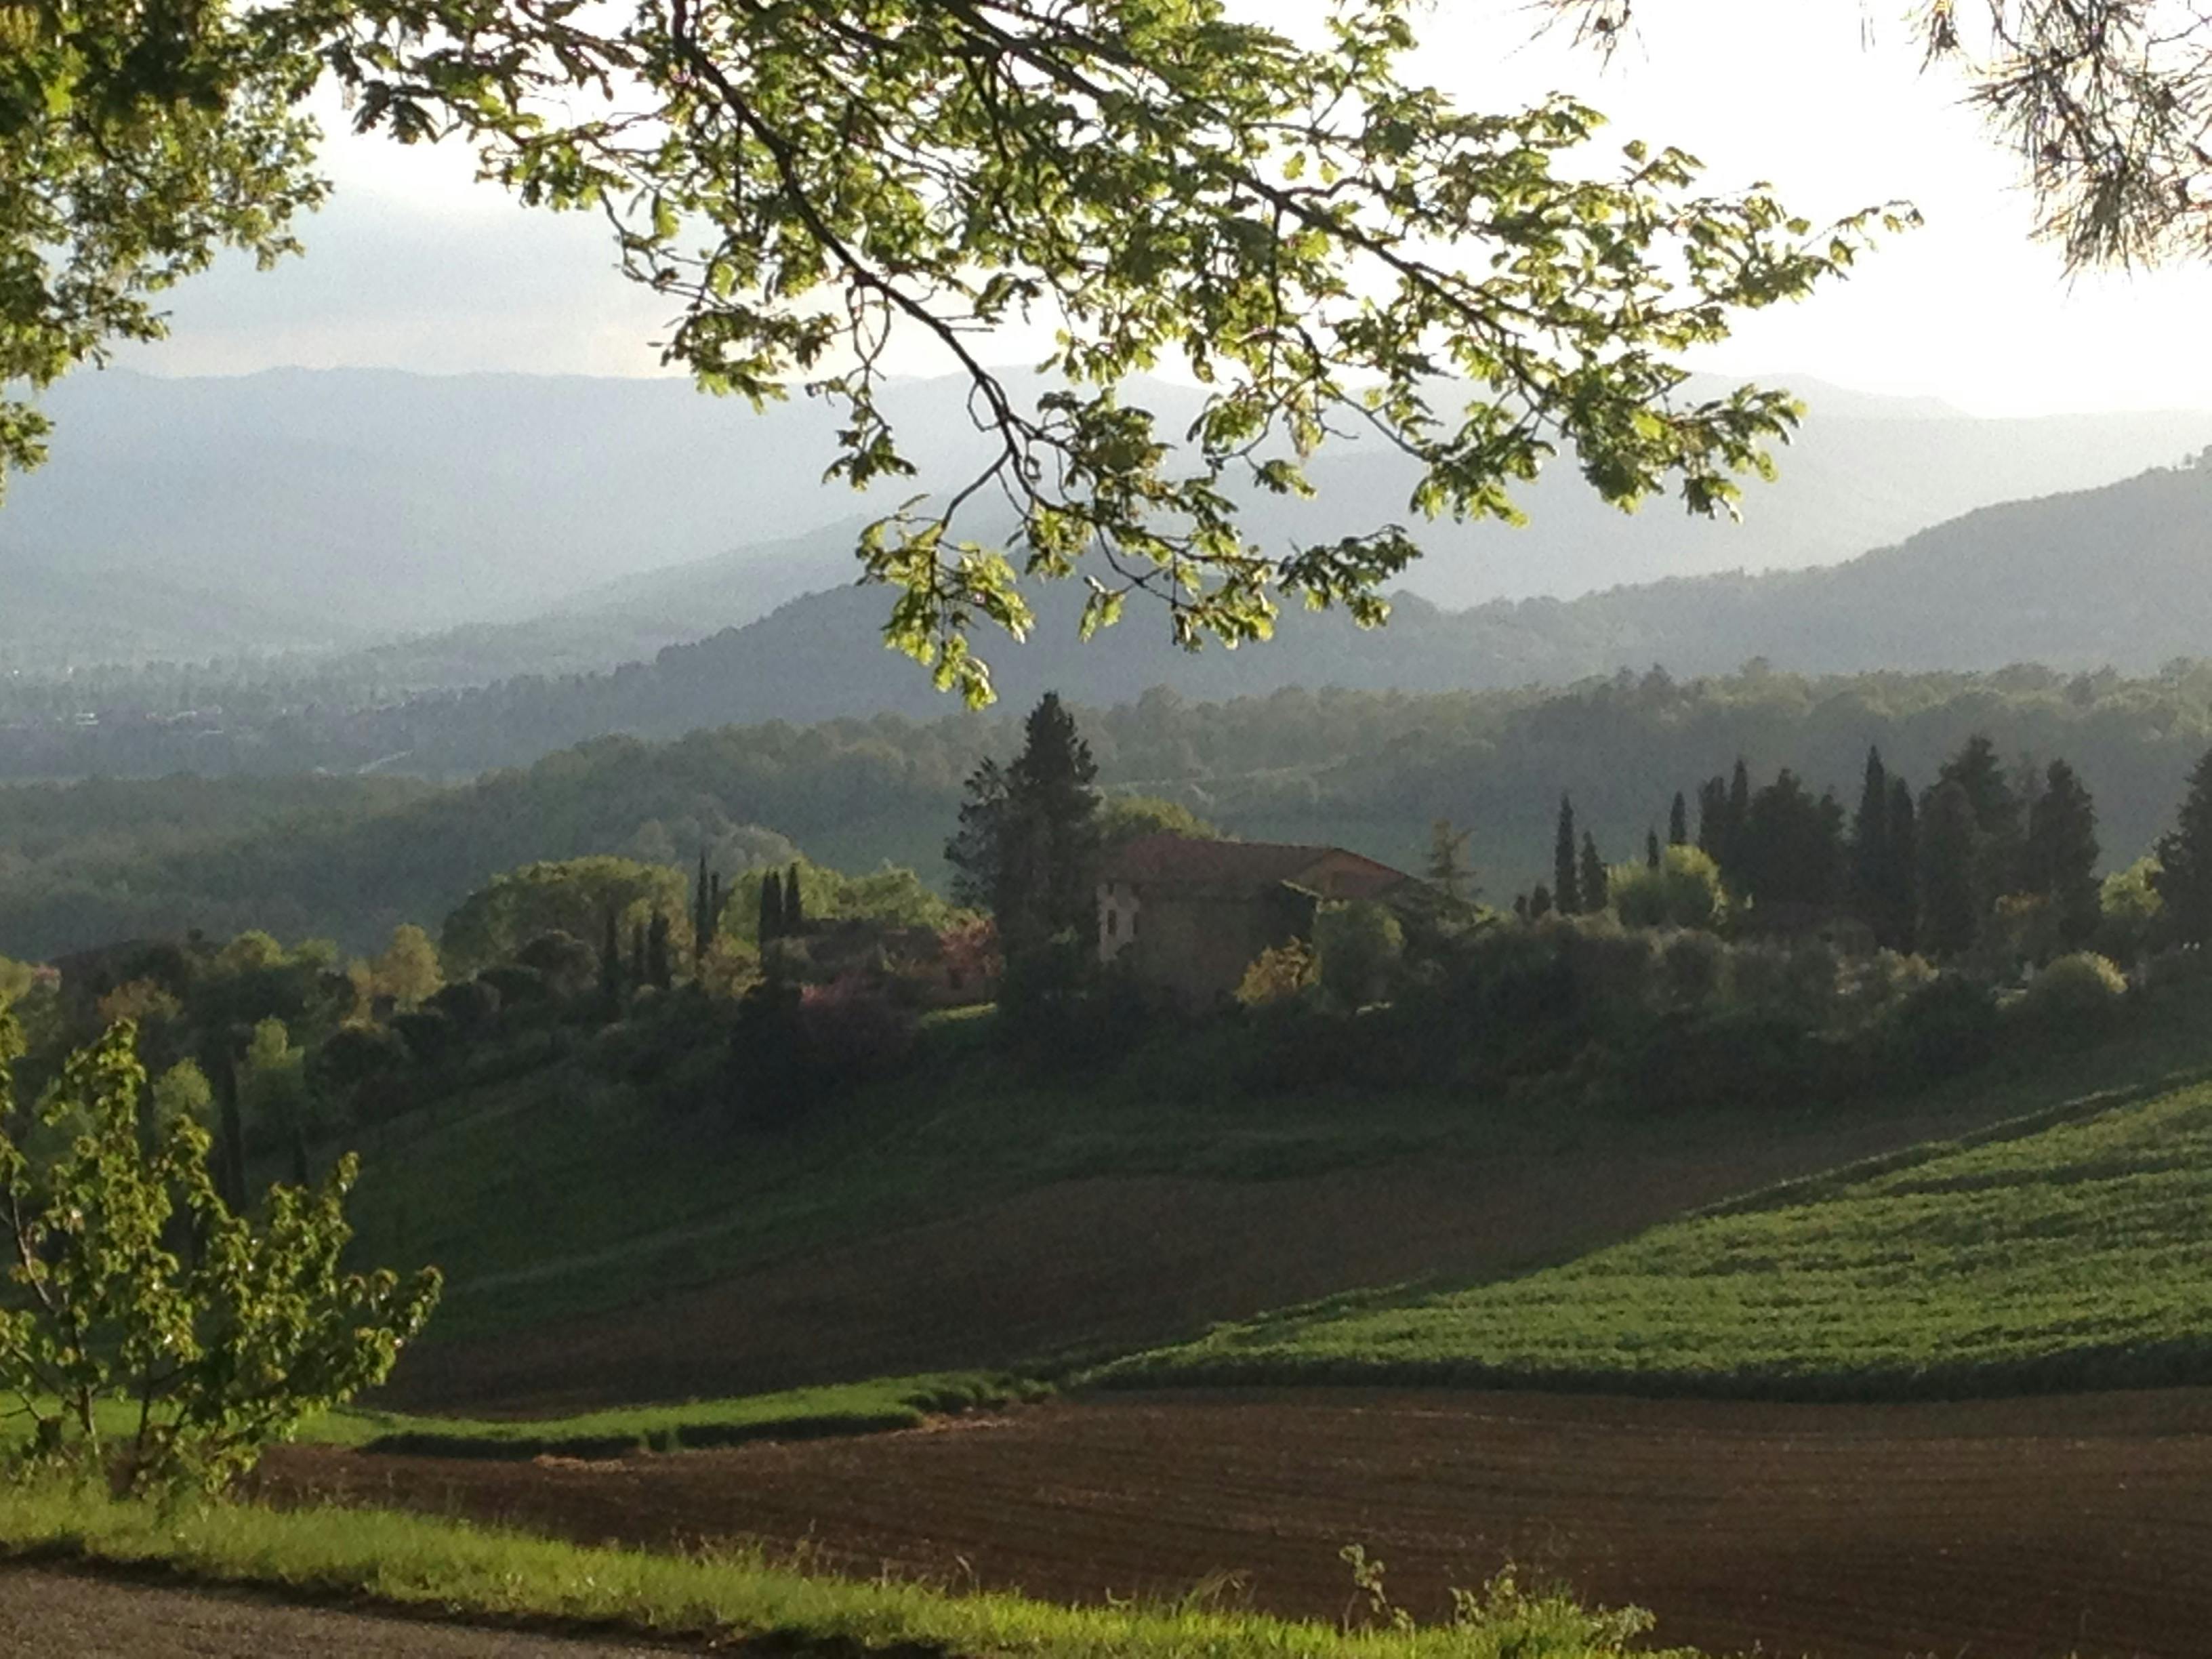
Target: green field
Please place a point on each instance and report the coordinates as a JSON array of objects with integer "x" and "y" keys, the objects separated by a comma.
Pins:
[
  {"x": 2074, "y": 1254},
  {"x": 899, "y": 1402}
]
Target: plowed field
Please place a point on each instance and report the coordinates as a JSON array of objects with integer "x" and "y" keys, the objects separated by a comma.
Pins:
[
  {"x": 2020, "y": 1529},
  {"x": 1106, "y": 1265}
]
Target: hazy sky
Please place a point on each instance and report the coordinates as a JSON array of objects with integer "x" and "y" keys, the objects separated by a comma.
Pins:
[{"x": 414, "y": 265}]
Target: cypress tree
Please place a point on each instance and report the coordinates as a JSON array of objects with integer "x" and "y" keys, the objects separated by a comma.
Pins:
[
  {"x": 660, "y": 970},
  {"x": 2062, "y": 853},
  {"x": 2183, "y": 880},
  {"x": 771, "y": 908},
  {"x": 713, "y": 908},
  {"x": 1447, "y": 869},
  {"x": 1591, "y": 884},
  {"x": 1677, "y": 822},
  {"x": 1901, "y": 874},
  {"x": 1712, "y": 817},
  {"x": 1870, "y": 898},
  {"x": 699, "y": 924},
  {"x": 1950, "y": 914},
  {"x": 1651, "y": 845},
  {"x": 1998, "y": 844},
  {"x": 1737, "y": 823},
  {"x": 611, "y": 962},
  {"x": 1565, "y": 887},
  {"x": 794, "y": 912},
  {"x": 1539, "y": 903}
]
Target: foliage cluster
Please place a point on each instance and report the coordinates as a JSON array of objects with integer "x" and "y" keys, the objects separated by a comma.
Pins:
[
  {"x": 134, "y": 1287},
  {"x": 351, "y": 858}
]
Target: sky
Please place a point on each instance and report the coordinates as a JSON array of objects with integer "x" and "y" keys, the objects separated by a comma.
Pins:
[{"x": 415, "y": 265}]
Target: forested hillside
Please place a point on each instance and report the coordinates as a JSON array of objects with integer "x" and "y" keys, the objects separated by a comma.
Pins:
[
  {"x": 2111, "y": 577},
  {"x": 81, "y": 863}
]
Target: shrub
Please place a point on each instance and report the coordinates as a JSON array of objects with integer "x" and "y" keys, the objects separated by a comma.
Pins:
[
  {"x": 516, "y": 987},
  {"x": 1946, "y": 1026},
  {"x": 1683, "y": 891},
  {"x": 1279, "y": 973},
  {"x": 1745, "y": 1057},
  {"x": 569, "y": 967},
  {"x": 354, "y": 1067},
  {"x": 854, "y": 1028},
  {"x": 1693, "y": 971},
  {"x": 473, "y": 1005},
  {"x": 2076, "y": 997},
  {"x": 213, "y": 1352},
  {"x": 1360, "y": 946},
  {"x": 430, "y": 1034}
]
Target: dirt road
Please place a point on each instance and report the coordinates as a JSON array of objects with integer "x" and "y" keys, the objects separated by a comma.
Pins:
[
  {"x": 2020, "y": 1529},
  {"x": 65, "y": 1615}
]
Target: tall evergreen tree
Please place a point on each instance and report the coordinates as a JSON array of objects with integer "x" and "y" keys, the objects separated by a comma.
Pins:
[
  {"x": 1712, "y": 817},
  {"x": 701, "y": 922},
  {"x": 1998, "y": 842},
  {"x": 1950, "y": 909},
  {"x": 2184, "y": 880},
  {"x": 795, "y": 907},
  {"x": 1737, "y": 823},
  {"x": 1651, "y": 845},
  {"x": 1677, "y": 822},
  {"x": 1791, "y": 849},
  {"x": 1539, "y": 903},
  {"x": 714, "y": 906},
  {"x": 1566, "y": 886},
  {"x": 611, "y": 963},
  {"x": 1870, "y": 896},
  {"x": 659, "y": 968},
  {"x": 1901, "y": 878},
  {"x": 1591, "y": 885},
  {"x": 1448, "y": 870},
  {"x": 771, "y": 907},
  {"x": 2063, "y": 851},
  {"x": 1028, "y": 841}
]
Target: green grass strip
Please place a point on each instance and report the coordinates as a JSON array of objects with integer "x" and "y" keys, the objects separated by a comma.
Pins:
[
  {"x": 457, "y": 1570},
  {"x": 901, "y": 1402}
]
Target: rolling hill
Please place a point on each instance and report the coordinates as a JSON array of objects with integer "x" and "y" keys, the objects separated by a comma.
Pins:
[
  {"x": 2109, "y": 578},
  {"x": 322, "y": 510}
]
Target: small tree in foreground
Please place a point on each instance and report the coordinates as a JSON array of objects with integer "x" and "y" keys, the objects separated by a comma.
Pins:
[{"x": 140, "y": 1305}]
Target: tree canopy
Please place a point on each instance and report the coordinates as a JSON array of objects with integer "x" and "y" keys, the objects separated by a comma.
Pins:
[
  {"x": 136, "y": 142},
  {"x": 2108, "y": 106},
  {"x": 1330, "y": 248}
]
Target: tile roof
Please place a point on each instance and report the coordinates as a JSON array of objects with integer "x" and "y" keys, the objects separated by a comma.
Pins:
[{"x": 1184, "y": 862}]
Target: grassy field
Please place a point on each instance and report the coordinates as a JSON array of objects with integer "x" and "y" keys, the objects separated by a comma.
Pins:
[
  {"x": 456, "y": 1570},
  {"x": 871, "y": 1407},
  {"x": 2069, "y": 1254},
  {"x": 903, "y": 1402},
  {"x": 565, "y": 1192}
]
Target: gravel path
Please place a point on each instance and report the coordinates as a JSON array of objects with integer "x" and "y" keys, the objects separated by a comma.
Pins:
[{"x": 63, "y": 1615}]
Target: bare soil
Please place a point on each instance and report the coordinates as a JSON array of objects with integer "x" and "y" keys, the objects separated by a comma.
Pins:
[
  {"x": 2019, "y": 1529},
  {"x": 1105, "y": 1265},
  {"x": 68, "y": 1615}
]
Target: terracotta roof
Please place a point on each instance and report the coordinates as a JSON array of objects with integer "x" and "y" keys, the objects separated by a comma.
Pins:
[{"x": 1185, "y": 862}]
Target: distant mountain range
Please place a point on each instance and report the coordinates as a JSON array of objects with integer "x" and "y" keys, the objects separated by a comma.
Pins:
[
  {"x": 2116, "y": 577},
  {"x": 325, "y": 511},
  {"x": 2111, "y": 578}
]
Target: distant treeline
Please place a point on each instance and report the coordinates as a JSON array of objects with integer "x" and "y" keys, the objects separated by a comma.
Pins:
[{"x": 348, "y": 858}]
